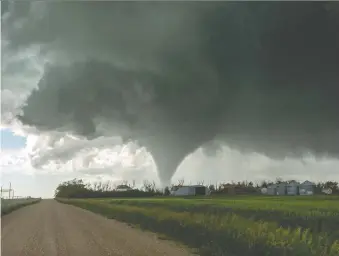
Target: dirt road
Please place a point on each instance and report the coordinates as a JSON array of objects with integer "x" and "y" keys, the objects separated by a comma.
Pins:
[{"x": 51, "y": 228}]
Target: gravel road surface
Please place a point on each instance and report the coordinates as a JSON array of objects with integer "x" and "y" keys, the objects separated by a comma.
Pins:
[{"x": 51, "y": 228}]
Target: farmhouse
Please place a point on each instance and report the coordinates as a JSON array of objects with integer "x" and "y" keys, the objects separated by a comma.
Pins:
[{"x": 194, "y": 190}]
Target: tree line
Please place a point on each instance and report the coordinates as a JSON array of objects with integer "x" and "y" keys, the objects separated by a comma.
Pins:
[{"x": 78, "y": 188}]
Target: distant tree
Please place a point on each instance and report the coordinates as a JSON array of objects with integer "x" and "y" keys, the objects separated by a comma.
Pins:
[
  {"x": 333, "y": 185},
  {"x": 149, "y": 186},
  {"x": 73, "y": 188},
  {"x": 278, "y": 180},
  {"x": 211, "y": 188},
  {"x": 181, "y": 182},
  {"x": 167, "y": 191}
]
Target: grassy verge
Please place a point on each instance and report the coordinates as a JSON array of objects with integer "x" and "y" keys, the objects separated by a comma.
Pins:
[
  {"x": 228, "y": 234},
  {"x": 7, "y": 208}
]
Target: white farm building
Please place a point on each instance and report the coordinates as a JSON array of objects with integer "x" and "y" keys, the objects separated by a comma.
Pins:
[{"x": 195, "y": 190}]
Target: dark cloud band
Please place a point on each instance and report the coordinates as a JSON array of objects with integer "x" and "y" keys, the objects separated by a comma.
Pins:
[{"x": 260, "y": 77}]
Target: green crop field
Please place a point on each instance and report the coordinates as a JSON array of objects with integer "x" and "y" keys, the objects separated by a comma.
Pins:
[
  {"x": 239, "y": 225},
  {"x": 9, "y": 205}
]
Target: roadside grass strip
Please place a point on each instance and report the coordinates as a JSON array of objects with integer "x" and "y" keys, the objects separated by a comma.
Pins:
[{"x": 10, "y": 205}]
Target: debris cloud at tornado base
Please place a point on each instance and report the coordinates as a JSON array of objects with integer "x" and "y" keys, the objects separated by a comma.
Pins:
[{"x": 258, "y": 77}]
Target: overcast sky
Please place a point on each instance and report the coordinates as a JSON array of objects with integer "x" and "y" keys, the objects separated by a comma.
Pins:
[{"x": 134, "y": 91}]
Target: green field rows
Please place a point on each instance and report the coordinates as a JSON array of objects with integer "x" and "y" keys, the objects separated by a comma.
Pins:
[
  {"x": 234, "y": 226},
  {"x": 319, "y": 215}
]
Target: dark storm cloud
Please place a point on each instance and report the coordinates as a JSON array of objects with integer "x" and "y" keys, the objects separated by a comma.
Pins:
[{"x": 261, "y": 77}]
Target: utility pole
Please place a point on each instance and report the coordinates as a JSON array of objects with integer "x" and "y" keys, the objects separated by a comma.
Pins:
[{"x": 9, "y": 191}]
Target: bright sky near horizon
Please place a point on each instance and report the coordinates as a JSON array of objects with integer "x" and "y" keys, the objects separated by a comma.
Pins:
[{"x": 228, "y": 165}]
